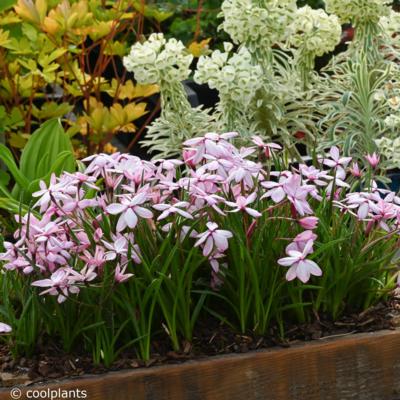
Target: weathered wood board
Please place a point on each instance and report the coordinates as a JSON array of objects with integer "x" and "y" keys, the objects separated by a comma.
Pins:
[{"x": 362, "y": 366}]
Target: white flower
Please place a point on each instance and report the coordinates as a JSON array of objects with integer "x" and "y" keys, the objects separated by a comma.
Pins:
[
  {"x": 213, "y": 238},
  {"x": 159, "y": 60},
  {"x": 177, "y": 208},
  {"x": 234, "y": 76},
  {"x": 300, "y": 266},
  {"x": 314, "y": 31},
  {"x": 4, "y": 328},
  {"x": 390, "y": 23},
  {"x": 392, "y": 121},
  {"x": 130, "y": 210},
  {"x": 259, "y": 27},
  {"x": 389, "y": 148},
  {"x": 358, "y": 11}
]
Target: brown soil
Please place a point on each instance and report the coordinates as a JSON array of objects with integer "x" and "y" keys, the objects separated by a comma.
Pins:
[{"x": 212, "y": 339}]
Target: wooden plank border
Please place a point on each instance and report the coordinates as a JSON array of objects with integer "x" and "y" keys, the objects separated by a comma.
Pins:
[{"x": 357, "y": 367}]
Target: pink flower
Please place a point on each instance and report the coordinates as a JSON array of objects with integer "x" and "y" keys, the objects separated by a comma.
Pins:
[
  {"x": 219, "y": 166},
  {"x": 185, "y": 230},
  {"x": 72, "y": 204},
  {"x": 48, "y": 194},
  {"x": 211, "y": 200},
  {"x": 48, "y": 231},
  {"x": 176, "y": 208},
  {"x": 355, "y": 170},
  {"x": 268, "y": 148},
  {"x": 242, "y": 203},
  {"x": 339, "y": 181},
  {"x": 275, "y": 191},
  {"x": 17, "y": 263},
  {"x": 214, "y": 261},
  {"x": 86, "y": 274},
  {"x": 382, "y": 212},
  {"x": 213, "y": 238},
  {"x": 130, "y": 209},
  {"x": 120, "y": 275},
  {"x": 79, "y": 178},
  {"x": 99, "y": 163},
  {"x": 98, "y": 260},
  {"x": 120, "y": 248},
  {"x": 244, "y": 172},
  {"x": 300, "y": 266},
  {"x": 335, "y": 161},
  {"x": 297, "y": 194},
  {"x": 188, "y": 156},
  {"x": 83, "y": 239},
  {"x": 98, "y": 234},
  {"x": 4, "y": 328},
  {"x": 112, "y": 181},
  {"x": 59, "y": 285},
  {"x": 373, "y": 159},
  {"x": 314, "y": 175},
  {"x": 361, "y": 201},
  {"x": 167, "y": 168},
  {"x": 203, "y": 180},
  {"x": 211, "y": 144},
  {"x": 309, "y": 222},
  {"x": 300, "y": 241}
]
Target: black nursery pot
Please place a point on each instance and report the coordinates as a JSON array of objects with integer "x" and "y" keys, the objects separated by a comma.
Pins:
[
  {"x": 204, "y": 96},
  {"x": 394, "y": 176}
]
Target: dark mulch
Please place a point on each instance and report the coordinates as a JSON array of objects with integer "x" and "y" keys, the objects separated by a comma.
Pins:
[{"x": 212, "y": 338}]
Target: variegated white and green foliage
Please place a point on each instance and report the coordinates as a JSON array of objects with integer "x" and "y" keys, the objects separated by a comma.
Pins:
[{"x": 267, "y": 85}]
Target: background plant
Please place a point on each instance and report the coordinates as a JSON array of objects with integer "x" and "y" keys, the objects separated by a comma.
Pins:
[
  {"x": 167, "y": 63},
  {"x": 61, "y": 59},
  {"x": 48, "y": 152},
  {"x": 267, "y": 108},
  {"x": 346, "y": 103}
]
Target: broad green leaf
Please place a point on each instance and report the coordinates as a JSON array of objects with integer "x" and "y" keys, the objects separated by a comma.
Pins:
[
  {"x": 57, "y": 168},
  {"x": 4, "y": 191},
  {"x": 12, "y": 206},
  {"x": 8, "y": 159},
  {"x": 4, "y": 178},
  {"x": 6, "y": 4},
  {"x": 48, "y": 142}
]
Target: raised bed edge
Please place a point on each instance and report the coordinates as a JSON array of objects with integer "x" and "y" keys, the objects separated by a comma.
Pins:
[{"x": 360, "y": 366}]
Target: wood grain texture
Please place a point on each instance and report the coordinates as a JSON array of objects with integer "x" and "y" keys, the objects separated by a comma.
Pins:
[{"x": 356, "y": 367}]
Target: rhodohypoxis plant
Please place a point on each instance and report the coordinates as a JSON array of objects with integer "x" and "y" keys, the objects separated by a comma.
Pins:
[{"x": 126, "y": 248}]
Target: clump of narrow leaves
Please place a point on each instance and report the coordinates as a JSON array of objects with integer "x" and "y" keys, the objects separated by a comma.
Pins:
[{"x": 128, "y": 250}]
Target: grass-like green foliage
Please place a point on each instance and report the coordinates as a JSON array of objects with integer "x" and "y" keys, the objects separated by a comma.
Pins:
[{"x": 127, "y": 252}]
